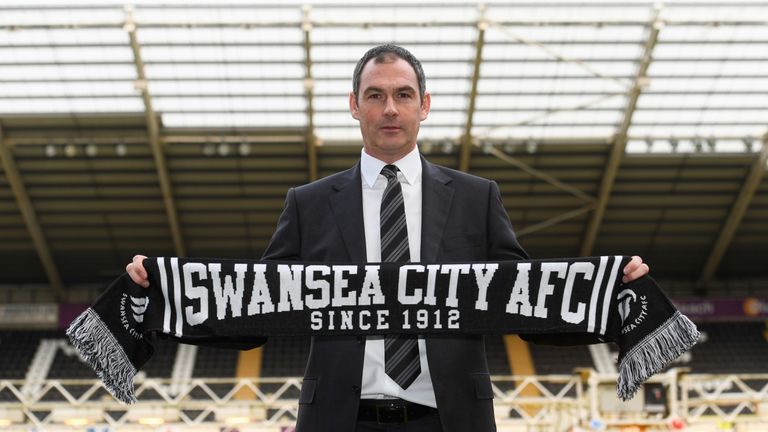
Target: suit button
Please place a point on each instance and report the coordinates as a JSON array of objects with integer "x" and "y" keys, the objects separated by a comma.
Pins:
[{"x": 356, "y": 389}]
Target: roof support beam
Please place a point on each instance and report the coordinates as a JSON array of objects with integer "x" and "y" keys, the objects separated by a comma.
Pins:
[
  {"x": 30, "y": 219},
  {"x": 554, "y": 220},
  {"x": 740, "y": 206},
  {"x": 620, "y": 142},
  {"x": 153, "y": 133},
  {"x": 522, "y": 166},
  {"x": 309, "y": 89},
  {"x": 466, "y": 139}
]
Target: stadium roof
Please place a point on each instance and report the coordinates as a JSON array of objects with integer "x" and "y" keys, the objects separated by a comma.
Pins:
[{"x": 176, "y": 128}]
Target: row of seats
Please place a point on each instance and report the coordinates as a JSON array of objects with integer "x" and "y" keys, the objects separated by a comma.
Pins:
[
  {"x": 288, "y": 356},
  {"x": 724, "y": 348},
  {"x": 731, "y": 348},
  {"x": 17, "y": 349}
]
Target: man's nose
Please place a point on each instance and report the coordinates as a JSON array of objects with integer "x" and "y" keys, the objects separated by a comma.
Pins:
[{"x": 390, "y": 109}]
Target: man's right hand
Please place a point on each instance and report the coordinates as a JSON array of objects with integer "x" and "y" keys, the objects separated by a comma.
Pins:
[{"x": 137, "y": 272}]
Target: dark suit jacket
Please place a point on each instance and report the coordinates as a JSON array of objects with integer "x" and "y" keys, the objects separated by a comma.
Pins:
[{"x": 463, "y": 219}]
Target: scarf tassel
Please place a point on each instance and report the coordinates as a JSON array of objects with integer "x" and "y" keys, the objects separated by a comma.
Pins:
[
  {"x": 676, "y": 336},
  {"x": 97, "y": 347}
]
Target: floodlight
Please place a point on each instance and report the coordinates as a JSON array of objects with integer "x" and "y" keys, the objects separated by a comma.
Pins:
[
  {"x": 77, "y": 416},
  {"x": 50, "y": 150},
  {"x": 531, "y": 146},
  {"x": 9, "y": 416},
  {"x": 121, "y": 149},
  {"x": 152, "y": 415}
]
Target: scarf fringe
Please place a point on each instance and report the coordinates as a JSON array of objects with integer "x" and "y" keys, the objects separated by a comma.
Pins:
[
  {"x": 97, "y": 347},
  {"x": 676, "y": 336}
]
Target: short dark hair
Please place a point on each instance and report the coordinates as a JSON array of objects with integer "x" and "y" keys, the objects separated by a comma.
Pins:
[{"x": 383, "y": 54}]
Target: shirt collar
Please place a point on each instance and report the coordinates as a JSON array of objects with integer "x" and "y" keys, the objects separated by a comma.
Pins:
[{"x": 409, "y": 165}]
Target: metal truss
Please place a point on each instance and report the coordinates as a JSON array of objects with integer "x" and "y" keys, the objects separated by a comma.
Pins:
[
  {"x": 27, "y": 210},
  {"x": 733, "y": 398},
  {"x": 618, "y": 149},
  {"x": 153, "y": 134},
  {"x": 546, "y": 402},
  {"x": 739, "y": 208}
]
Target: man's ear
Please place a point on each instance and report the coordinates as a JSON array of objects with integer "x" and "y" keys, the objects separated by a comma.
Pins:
[
  {"x": 353, "y": 108},
  {"x": 426, "y": 101}
]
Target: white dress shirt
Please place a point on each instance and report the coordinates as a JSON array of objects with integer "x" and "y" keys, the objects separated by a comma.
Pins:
[{"x": 376, "y": 383}]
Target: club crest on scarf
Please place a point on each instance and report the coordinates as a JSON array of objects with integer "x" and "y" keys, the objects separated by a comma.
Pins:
[
  {"x": 132, "y": 311},
  {"x": 631, "y": 310}
]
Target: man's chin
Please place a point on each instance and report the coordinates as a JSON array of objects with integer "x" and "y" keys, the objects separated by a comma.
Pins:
[
  {"x": 390, "y": 148},
  {"x": 394, "y": 147}
]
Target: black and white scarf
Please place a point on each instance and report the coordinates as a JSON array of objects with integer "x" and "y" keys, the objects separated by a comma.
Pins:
[{"x": 213, "y": 301}]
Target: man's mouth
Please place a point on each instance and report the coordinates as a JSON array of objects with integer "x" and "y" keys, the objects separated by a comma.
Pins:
[{"x": 390, "y": 128}]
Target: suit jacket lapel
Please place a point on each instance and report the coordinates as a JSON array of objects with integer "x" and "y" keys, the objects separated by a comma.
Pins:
[
  {"x": 436, "y": 196},
  {"x": 347, "y": 205}
]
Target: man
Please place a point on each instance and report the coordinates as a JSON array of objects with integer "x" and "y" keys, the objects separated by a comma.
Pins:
[{"x": 447, "y": 216}]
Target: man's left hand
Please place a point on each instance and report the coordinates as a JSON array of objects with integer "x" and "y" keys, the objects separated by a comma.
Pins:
[{"x": 635, "y": 269}]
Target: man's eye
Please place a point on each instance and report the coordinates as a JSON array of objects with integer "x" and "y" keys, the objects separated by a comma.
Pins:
[
  {"x": 374, "y": 96},
  {"x": 405, "y": 95}
]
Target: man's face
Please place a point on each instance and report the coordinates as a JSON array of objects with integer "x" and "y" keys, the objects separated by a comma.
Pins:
[{"x": 388, "y": 109}]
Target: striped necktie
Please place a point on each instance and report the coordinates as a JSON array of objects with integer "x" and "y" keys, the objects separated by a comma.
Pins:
[{"x": 401, "y": 352}]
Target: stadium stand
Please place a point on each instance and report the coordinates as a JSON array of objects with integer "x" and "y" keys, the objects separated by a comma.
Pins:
[
  {"x": 17, "y": 348},
  {"x": 728, "y": 347},
  {"x": 288, "y": 356},
  {"x": 215, "y": 363},
  {"x": 731, "y": 347},
  {"x": 66, "y": 365},
  {"x": 549, "y": 359},
  {"x": 285, "y": 356}
]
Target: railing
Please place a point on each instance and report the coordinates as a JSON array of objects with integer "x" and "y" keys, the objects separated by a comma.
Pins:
[
  {"x": 735, "y": 399},
  {"x": 584, "y": 400}
]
